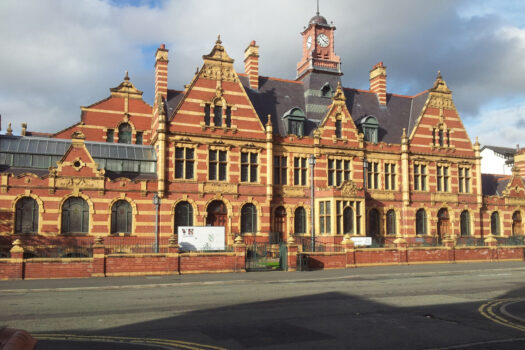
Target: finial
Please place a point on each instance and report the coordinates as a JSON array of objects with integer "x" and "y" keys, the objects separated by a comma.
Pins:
[
  {"x": 197, "y": 70},
  {"x": 317, "y": 13},
  {"x": 404, "y": 132},
  {"x": 269, "y": 122},
  {"x": 9, "y": 130},
  {"x": 218, "y": 39},
  {"x": 439, "y": 75},
  {"x": 126, "y": 78}
]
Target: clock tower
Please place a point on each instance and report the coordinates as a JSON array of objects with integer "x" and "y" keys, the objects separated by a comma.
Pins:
[{"x": 318, "y": 49}]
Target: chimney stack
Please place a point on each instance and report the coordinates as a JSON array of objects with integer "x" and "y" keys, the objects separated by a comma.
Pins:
[
  {"x": 378, "y": 82},
  {"x": 519, "y": 162},
  {"x": 161, "y": 73},
  {"x": 251, "y": 64}
]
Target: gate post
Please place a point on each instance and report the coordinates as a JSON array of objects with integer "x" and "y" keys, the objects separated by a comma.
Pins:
[
  {"x": 401, "y": 245},
  {"x": 292, "y": 253},
  {"x": 99, "y": 258},
  {"x": 173, "y": 255},
  {"x": 240, "y": 254},
  {"x": 17, "y": 259},
  {"x": 348, "y": 246},
  {"x": 450, "y": 244}
]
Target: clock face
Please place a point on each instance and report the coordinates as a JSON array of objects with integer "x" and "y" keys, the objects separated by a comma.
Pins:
[
  {"x": 323, "y": 40},
  {"x": 309, "y": 42}
]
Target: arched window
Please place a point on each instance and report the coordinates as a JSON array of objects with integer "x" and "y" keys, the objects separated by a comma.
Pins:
[
  {"x": 279, "y": 223},
  {"x": 217, "y": 114},
  {"x": 517, "y": 227},
  {"x": 248, "y": 218},
  {"x": 443, "y": 223},
  {"x": 494, "y": 224},
  {"x": 75, "y": 216},
  {"x": 300, "y": 220},
  {"x": 421, "y": 222},
  {"x": 183, "y": 215},
  {"x": 326, "y": 90},
  {"x": 465, "y": 223},
  {"x": 348, "y": 220},
  {"x": 124, "y": 133},
  {"x": 373, "y": 223},
  {"x": 121, "y": 217},
  {"x": 338, "y": 128},
  {"x": 26, "y": 220},
  {"x": 391, "y": 222},
  {"x": 217, "y": 214}
]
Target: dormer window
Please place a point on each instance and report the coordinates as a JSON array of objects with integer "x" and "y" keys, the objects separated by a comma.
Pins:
[
  {"x": 369, "y": 127},
  {"x": 294, "y": 120},
  {"x": 326, "y": 90}
]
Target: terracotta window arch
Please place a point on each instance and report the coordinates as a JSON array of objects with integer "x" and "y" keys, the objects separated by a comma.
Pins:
[
  {"x": 75, "y": 215},
  {"x": 421, "y": 222},
  {"x": 121, "y": 217},
  {"x": 248, "y": 218},
  {"x": 183, "y": 215},
  {"x": 26, "y": 215}
]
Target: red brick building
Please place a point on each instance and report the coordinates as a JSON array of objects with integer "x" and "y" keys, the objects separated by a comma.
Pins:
[{"x": 264, "y": 157}]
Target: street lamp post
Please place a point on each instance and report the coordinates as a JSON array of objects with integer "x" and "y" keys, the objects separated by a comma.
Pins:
[
  {"x": 311, "y": 161},
  {"x": 156, "y": 203}
]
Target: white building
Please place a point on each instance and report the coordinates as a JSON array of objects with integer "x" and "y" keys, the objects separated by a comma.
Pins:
[{"x": 497, "y": 160}]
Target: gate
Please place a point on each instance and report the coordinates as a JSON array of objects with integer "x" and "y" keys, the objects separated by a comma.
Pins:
[{"x": 266, "y": 257}]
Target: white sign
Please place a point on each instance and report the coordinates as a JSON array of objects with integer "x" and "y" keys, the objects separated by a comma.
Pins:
[
  {"x": 201, "y": 237},
  {"x": 361, "y": 241}
]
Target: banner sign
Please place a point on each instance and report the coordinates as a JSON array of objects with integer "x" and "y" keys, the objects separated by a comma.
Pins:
[
  {"x": 201, "y": 237},
  {"x": 361, "y": 241}
]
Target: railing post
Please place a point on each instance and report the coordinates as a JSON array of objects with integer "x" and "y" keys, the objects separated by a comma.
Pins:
[
  {"x": 174, "y": 255},
  {"x": 99, "y": 258},
  {"x": 349, "y": 249},
  {"x": 401, "y": 245},
  {"x": 240, "y": 254},
  {"x": 17, "y": 259},
  {"x": 292, "y": 249}
]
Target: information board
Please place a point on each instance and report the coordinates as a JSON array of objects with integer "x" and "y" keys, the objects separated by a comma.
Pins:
[
  {"x": 362, "y": 241},
  {"x": 193, "y": 238}
]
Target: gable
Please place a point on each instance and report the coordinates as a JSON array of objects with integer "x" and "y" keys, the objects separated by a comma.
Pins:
[
  {"x": 439, "y": 129},
  {"x": 217, "y": 90}
]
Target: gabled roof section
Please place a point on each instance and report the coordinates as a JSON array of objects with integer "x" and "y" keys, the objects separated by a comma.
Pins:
[
  {"x": 515, "y": 186},
  {"x": 218, "y": 53},
  {"x": 494, "y": 185},
  {"x": 126, "y": 88}
]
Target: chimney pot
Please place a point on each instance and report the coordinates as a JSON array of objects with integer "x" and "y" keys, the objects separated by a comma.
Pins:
[{"x": 163, "y": 46}]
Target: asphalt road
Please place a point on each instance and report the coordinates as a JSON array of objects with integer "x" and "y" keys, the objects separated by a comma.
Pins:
[{"x": 446, "y": 306}]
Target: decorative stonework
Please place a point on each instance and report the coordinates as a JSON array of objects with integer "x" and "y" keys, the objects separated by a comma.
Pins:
[
  {"x": 444, "y": 197},
  {"x": 380, "y": 195},
  {"x": 349, "y": 188},
  {"x": 218, "y": 187},
  {"x": 78, "y": 182},
  {"x": 218, "y": 65}
]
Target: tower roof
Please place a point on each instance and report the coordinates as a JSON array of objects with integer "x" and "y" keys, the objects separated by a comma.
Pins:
[{"x": 318, "y": 19}]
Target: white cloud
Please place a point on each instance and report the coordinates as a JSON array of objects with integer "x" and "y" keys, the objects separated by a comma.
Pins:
[{"x": 58, "y": 55}]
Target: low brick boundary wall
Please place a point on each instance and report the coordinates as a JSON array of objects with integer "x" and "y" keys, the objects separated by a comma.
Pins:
[{"x": 174, "y": 262}]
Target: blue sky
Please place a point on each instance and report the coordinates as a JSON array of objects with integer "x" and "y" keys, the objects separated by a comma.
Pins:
[{"x": 58, "y": 55}]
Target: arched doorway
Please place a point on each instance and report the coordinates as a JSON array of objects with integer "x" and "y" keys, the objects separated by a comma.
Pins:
[
  {"x": 517, "y": 227},
  {"x": 183, "y": 215},
  {"x": 348, "y": 220},
  {"x": 443, "y": 225},
  {"x": 279, "y": 224},
  {"x": 217, "y": 214},
  {"x": 373, "y": 224}
]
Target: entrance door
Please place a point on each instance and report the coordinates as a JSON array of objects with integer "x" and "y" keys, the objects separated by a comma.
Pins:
[
  {"x": 443, "y": 226},
  {"x": 217, "y": 214},
  {"x": 280, "y": 223}
]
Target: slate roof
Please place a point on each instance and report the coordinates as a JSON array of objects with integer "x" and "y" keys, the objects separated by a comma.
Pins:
[
  {"x": 494, "y": 184},
  {"x": 277, "y": 96},
  {"x": 172, "y": 101},
  {"x": 504, "y": 151}
]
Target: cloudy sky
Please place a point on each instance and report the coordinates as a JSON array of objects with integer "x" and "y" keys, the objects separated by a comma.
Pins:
[{"x": 58, "y": 55}]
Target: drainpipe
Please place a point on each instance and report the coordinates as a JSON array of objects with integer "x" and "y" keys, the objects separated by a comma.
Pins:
[{"x": 311, "y": 161}]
